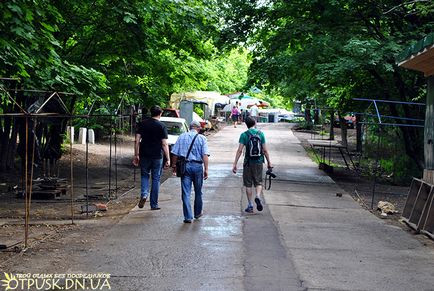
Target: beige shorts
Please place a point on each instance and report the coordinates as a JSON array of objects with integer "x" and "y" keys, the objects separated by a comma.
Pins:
[{"x": 252, "y": 174}]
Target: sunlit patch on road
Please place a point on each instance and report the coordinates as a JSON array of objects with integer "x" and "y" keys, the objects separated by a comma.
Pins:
[{"x": 222, "y": 227}]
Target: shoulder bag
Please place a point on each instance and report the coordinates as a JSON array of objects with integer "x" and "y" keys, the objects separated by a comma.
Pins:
[{"x": 181, "y": 162}]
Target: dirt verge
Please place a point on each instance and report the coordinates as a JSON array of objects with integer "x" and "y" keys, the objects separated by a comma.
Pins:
[{"x": 363, "y": 189}]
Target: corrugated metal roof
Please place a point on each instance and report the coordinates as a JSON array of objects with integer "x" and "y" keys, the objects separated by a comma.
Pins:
[{"x": 420, "y": 56}]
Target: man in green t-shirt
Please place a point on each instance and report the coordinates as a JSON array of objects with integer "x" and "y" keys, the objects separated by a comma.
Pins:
[{"x": 252, "y": 166}]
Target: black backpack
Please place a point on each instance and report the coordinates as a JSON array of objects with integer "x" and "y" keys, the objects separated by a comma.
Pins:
[{"x": 254, "y": 146}]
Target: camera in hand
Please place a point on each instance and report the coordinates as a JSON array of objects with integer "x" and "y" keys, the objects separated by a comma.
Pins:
[{"x": 270, "y": 173}]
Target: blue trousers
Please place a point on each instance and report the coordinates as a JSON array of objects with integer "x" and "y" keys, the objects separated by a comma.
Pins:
[
  {"x": 193, "y": 175},
  {"x": 150, "y": 168}
]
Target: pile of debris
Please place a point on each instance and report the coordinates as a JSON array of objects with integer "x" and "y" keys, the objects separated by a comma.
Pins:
[
  {"x": 49, "y": 188},
  {"x": 386, "y": 208}
]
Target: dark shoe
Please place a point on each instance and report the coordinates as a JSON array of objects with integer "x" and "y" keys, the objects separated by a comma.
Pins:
[
  {"x": 258, "y": 204},
  {"x": 198, "y": 216},
  {"x": 249, "y": 209},
  {"x": 142, "y": 202},
  {"x": 155, "y": 208},
  {"x": 187, "y": 220}
]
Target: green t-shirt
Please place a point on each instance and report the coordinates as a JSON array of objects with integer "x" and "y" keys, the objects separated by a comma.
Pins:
[{"x": 244, "y": 139}]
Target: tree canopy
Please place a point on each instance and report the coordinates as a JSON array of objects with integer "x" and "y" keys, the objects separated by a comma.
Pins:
[
  {"x": 105, "y": 51},
  {"x": 108, "y": 48},
  {"x": 330, "y": 51},
  {"x": 334, "y": 51}
]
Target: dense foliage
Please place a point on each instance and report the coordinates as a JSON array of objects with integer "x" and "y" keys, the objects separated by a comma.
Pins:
[
  {"x": 105, "y": 52},
  {"x": 321, "y": 52},
  {"x": 332, "y": 51},
  {"x": 148, "y": 49}
]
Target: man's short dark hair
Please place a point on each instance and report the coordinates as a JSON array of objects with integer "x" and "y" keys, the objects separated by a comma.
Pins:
[
  {"x": 155, "y": 110},
  {"x": 250, "y": 122}
]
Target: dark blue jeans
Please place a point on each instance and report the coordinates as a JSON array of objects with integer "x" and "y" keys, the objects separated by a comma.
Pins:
[
  {"x": 193, "y": 175},
  {"x": 150, "y": 168}
]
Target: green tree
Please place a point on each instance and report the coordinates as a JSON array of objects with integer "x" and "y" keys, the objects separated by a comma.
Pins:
[
  {"x": 105, "y": 51},
  {"x": 140, "y": 46},
  {"x": 30, "y": 52},
  {"x": 335, "y": 50}
]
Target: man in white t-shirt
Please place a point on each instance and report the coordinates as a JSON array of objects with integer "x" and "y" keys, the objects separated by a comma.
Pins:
[{"x": 254, "y": 112}]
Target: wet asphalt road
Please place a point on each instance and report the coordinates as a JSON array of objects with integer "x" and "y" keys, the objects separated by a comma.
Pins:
[
  {"x": 226, "y": 249},
  {"x": 305, "y": 239}
]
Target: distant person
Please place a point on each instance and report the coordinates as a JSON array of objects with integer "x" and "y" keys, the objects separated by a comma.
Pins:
[
  {"x": 254, "y": 112},
  {"x": 244, "y": 114},
  {"x": 196, "y": 169},
  {"x": 254, "y": 142},
  {"x": 150, "y": 145},
  {"x": 241, "y": 117},
  {"x": 234, "y": 115},
  {"x": 240, "y": 111}
]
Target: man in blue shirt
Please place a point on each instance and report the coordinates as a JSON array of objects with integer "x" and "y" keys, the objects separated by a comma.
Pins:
[{"x": 196, "y": 169}]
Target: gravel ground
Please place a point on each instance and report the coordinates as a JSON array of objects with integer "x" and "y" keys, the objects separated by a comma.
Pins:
[{"x": 361, "y": 188}]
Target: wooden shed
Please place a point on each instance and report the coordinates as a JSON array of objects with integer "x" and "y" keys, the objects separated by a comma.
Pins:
[{"x": 420, "y": 57}]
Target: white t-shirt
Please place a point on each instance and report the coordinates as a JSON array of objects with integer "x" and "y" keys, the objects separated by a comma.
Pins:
[{"x": 254, "y": 110}]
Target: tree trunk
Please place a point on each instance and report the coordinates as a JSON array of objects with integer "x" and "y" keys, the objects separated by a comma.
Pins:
[
  {"x": 316, "y": 116},
  {"x": 332, "y": 128},
  {"x": 12, "y": 147},
  {"x": 5, "y": 140},
  {"x": 2, "y": 139},
  {"x": 344, "y": 131},
  {"x": 411, "y": 139},
  {"x": 308, "y": 115},
  {"x": 359, "y": 141},
  {"x": 410, "y": 135}
]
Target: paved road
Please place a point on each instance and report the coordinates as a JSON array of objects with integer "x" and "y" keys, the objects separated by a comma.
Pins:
[{"x": 305, "y": 239}]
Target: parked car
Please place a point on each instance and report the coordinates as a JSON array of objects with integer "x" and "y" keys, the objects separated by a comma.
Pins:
[
  {"x": 175, "y": 127},
  {"x": 285, "y": 117},
  {"x": 172, "y": 112},
  {"x": 350, "y": 121}
]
